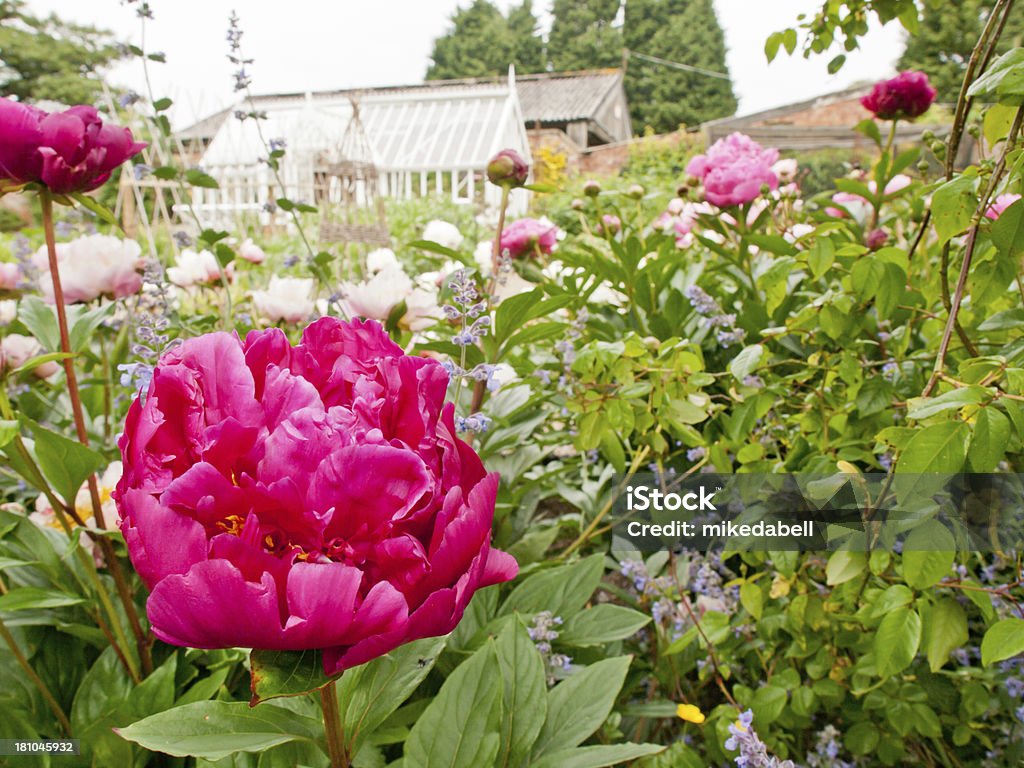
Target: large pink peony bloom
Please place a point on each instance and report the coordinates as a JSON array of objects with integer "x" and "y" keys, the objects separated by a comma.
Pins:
[
  {"x": 906, "y": 96},
  {"x": 734, "y": 169},
  {"x": 525, "y": 236},
  {"x": 304, "y": 497},
  {"x": 69, "y": 151}
]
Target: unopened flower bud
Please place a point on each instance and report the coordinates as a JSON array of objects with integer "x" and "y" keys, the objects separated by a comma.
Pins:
[
  {"x": 507, "y": 169},
  {"x": 577, "y": 204},
  {"x": 636, "y": 191},
  {"x": 876, "y": 238},
  {"x": 591, "y": 188}
]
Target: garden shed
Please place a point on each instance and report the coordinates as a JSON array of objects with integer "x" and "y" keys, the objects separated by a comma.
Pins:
[{"x": 432, "y": 139}]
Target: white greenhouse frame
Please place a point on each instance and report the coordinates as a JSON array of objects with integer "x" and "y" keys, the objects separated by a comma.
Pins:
[{"x": 425, "y": 140}]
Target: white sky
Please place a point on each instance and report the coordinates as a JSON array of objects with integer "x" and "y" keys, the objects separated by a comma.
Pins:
[{"x": 301, "y": 45}]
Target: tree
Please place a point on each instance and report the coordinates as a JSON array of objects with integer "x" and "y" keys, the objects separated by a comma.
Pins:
[
  {"x": 51, "y": 59},
  {"x": 945, "y": 38},
  {"x": 483, "y": 43},
  {"x": 528, "y": 47},
  {"x": 683, "y": 31},
  {"x": 583, "y": 35}
]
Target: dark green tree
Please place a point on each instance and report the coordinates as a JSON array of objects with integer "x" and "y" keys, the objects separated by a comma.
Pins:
[
  {"x": 584, "y": 35},
  {"x": 482, "y": 42},
  {"x": 528, "y": 46},
  {"x": 945, "y": 38},
  {"x": 51, "y": 59},
  {"x": 682, "y": 31}
]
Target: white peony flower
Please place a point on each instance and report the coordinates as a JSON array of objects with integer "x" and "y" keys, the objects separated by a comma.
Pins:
[
  {"x": 16, "y": 350},
  {"x": 443, "y": 233},
  {"x": 785, "y": 169},
  {"x": 92, "y": 266},
  {"x": 483, "y": 255},
  {"x": 251, "y": 252},
  {"x": 8, "y": 311},
  {"x": 286, "y": 298},
  {"x": 422, "y": 310},
  {"x": 192, "y": 268},
  {"x": 376, "y": 297},
  {"x": 379, "y": 259}
]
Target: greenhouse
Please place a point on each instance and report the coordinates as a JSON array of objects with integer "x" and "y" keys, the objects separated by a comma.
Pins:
[{"x": 430, "y": 139}]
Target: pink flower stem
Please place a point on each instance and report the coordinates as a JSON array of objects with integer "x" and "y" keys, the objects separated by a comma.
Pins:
[
  {"x": 143, "y": 641},
  {"x": 337, "y": 751}
]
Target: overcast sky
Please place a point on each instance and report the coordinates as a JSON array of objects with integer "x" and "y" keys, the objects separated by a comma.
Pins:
[{"x": 301, "y": 45}]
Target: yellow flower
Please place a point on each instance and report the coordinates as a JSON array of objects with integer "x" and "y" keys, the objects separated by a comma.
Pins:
[{"x": 690, "y": 713}]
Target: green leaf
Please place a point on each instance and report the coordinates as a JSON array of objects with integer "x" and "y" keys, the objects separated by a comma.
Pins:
[
  {"x": 9, "y": 429},
  {"x": 525, "y": 702},
  {"x": 215, "y": 729},
  {"x": 953, "y": 205},
  {"x": 460, "y": 727},
  {"x": 161, "y": 105},
  {"x": 752, "y": 598},
  {"x": 928, "y": 554},
  {"x": 65, "y": 463},
  {"x": 922, "y": 408},
  {"x": 514, "y": 312},
  {"x": 1003, "y": 640},
  {"x": 1003, "y": 81},
  {"x": 746, "y": 362},
  {"x": 430, "y": 245},
  {"x": 24, "y": 598},
  {"x": 869, "y": 128},
  {"x": 938, "y": 448},
  {"x": 95, "y": 206},
  {"x": 198, "y": 178},
  {"x": 285, "y": 673},
  {"x": 997, "y": 122},
  {"x": 563, "y": 590},
  {"x": 1004, "y": 321},
  {"x": 845, "y": 565},
  {"x": 945, "y": 631},
  {"x": 771, "y": 46},
  {"x": 41, "y": 321},
  {"x": 370, "y": 693},
  {"x": 1008, "y": 230},
  {"x": 896, "y": 641},
  {"x": 32, "y": 363},
  {"x": 989, "y": 441},
  {"x": 768, "y": 703},
  {"x": 598, "y": 756},
  {"x": 603, "y": 623},
  {"x": 836, "y": 64},
  {"x": 579, "y": 705}
]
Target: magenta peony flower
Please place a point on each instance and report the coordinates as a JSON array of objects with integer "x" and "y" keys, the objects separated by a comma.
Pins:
[
  {"x": 304, "y": 497},
  {"x": 1000, "y": 204},
  {"x": 523, "y": 236},
  {"x": 734, "y": 169},
  {"x": 69, "y": 151},
  {"x": 906, "y": 96},
  {"x": 507, "y": 169}
]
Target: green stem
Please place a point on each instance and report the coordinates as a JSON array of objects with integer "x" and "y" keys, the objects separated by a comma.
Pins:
[
  {"x": 37, "y": 681},
  {"x": 337, "y": 751}
]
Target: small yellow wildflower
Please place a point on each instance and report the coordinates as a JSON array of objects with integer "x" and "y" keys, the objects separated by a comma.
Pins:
[{"x": 690, "y": 713}]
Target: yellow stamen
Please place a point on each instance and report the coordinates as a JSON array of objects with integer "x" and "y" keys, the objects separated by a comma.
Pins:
[{"x": 232, "y": 524}]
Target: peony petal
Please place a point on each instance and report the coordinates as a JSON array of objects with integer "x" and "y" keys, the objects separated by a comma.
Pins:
[
  {"x": 161, "y": 541},
  {"x": 214, "y": 606}
]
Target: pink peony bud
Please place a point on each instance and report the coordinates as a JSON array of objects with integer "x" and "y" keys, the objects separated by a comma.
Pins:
[
  {"x": 876, "y": 238},
  {"x": 610, "y": 225},
  {"x": 1000, "y": 204},
  {"x": 304, "y": 497},
  {"x": 10, "y": 275},
  {"x": 69, "y": 151},
  {"x": 508, "y": 169},
  {"x": 904, "y": 97}
]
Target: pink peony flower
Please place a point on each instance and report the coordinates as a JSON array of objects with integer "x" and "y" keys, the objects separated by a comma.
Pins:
[
  {"x": 304, "y": 497},
  {"x": 92, "y": 266},
  {"x": 251, "y": 252},
  {"x": 906, "y": 96},
  {"x": 69, "y": 151},
  {"x": 610, "y": 224},
  {"x": 526, "y": 236},
  {"x": 734, "y": 169},
  {"x": 1000, "y": 204},
  {"x": 10, "y": 276},
  {"x": 859, "y": 206}
]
